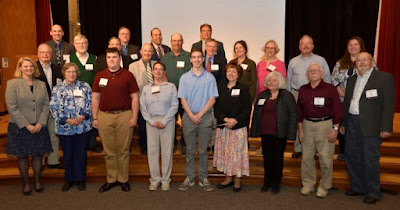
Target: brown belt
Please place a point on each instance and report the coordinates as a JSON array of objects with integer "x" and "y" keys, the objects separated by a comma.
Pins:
[{"x": 116, "y": 111}]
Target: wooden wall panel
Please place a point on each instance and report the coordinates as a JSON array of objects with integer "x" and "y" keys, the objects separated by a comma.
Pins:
[{"x": 17, "y": 37}]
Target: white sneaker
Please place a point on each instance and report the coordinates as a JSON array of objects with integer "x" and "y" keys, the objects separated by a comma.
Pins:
[
  {"x": 306, "y": 191},
  {"x": 153, "y": 186},
  {"x": 321, "y": 193},
  {"x": 206, "y": 185},
  {"x": 186, "y": 184},
  {"x": 164, "y": 186}
]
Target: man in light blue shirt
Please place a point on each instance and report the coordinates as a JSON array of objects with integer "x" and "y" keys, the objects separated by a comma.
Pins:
[
  {"x": 296, "y": 74},
  {"x": 197, "y": 91}
]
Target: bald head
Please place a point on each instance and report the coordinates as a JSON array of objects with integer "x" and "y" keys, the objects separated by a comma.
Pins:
[
  {"x": 44, "y": 53},
  {"x": 176, "y": 42},
  {"x": 146, "y": 51},
  {"x": 57, "y": 33}
]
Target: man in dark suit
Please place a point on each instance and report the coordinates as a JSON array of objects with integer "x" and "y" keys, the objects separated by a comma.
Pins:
[
  {"x": 369, "y": 106},
  {"x": 213, "y": 62},
  {"x": 61, "y": 49},
  {"x": 130, "y": 50},
  {"x": 101, "y": 63},
  {"x": 205, "y": 35},
  {"x": 51, "y": 75},
  {"x": 158, "y": 48}
]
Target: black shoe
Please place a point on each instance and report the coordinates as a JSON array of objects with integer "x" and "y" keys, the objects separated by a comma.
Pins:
[
  {"x": 275, "y": 189},
  {"x": 107, "y": 186},
  {"x": 370, "y": 199},
  {"x": 67, "y": 186},
  {"x": 143, "y": 151},
  {"x": 81, "y": 185},
  {"x": 296, "y": 154},
  {"x": 265, "y": 188},
  {"x": 39, "y": 190},
  {"x": 56, "y": 166},
  {"x": 237, "y": 189},
  {"x": 223, "y": 186},
  {"x": 26, "y": 193},
  {"x": 125, "y": 187},
  {"x": 95, "y": 149},
  {"x": 183, "y": 150},
  {"x": 351, "y": 192}
]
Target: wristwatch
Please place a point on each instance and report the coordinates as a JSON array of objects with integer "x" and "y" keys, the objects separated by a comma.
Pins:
[{"x": 335, "y": 128}]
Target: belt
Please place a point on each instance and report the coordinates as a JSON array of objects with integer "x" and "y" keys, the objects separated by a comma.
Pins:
[
  {"x": 116, "y": 111},
  {"x": 320, "y": 119},
  {"x": 295, "y": 89}
]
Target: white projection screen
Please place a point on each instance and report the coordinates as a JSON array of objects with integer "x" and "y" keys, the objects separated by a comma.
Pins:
[{"x": 255, "y": 21}]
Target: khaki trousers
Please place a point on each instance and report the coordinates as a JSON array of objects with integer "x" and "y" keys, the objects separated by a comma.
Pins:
[
  {"x": 316, "y": 140},
  {"x": 116, "y": 137}
]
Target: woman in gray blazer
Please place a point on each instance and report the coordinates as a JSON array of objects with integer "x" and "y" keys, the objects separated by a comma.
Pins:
[{"x": 28, "y": 105}]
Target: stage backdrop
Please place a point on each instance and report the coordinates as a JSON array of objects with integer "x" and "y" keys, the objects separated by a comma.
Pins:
[{"x": 231, "y": 21}]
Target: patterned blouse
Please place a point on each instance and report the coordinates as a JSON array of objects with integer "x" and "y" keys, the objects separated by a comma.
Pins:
[{"x": 69, "y": 102}]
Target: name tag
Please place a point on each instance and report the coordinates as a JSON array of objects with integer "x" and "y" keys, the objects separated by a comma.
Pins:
[
  {"x": 319, "y": 101},
  {"x": 77, "y": 93},
  {"x": 66, "y": 57},
  {"x": 103, "y": 82},
  {"x": 261, "y": 101},
  {"x": 58, "y": 81},
  {"x": 89, "y": 67},
  {"x": 180, "y": 64},
  {"x": 155, "y": 89},
  {"x": 371, "y": 93},
  {"x": 214, "y": 67},
  {"x": 235, "y": 92},
  {"x": 134, "y": 56},
  {"x": 271, "y": 67},
  {"x": 244, "y": 66}
]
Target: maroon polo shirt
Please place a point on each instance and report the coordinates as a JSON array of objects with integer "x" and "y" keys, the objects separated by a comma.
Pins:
[
  {"x": 116, "y": 95},
  {"x": 332, "y": 106}
]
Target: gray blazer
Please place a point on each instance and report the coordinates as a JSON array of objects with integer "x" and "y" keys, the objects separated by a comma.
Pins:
[
  {"x": 66, "y": 49},
  {"x": 139, "y": 72},
  {"x": 376, "y": 114},
  {"x": 24, "y": 106}
]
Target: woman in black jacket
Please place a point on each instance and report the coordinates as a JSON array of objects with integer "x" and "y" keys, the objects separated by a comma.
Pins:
[{"x": 275, "y": 120}]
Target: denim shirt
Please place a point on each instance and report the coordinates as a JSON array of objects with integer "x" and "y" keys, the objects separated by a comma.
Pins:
[{"x": 63, "y": 106}]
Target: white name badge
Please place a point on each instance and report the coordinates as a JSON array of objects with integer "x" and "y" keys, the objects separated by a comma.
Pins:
[
  {"x": 66, "y": 57},
  {"x": 371, "y": 93},
  {"x": 214, "y": 67},
  {"x": 103, "y": 82},
  {"x": 244, "y": 66},
  {"x": 89, "y": 67},
  {"x": 77, "y": 93},
  {"x": 261, "y": 101},
  {"x": 134, "y": 56},
  {"x": 319, "y": 101},
  {"x": 155, "y": 89},
  {"x": 180, "y": 64},
  {"x": 235, "y": 92},
  {"x": 271, "y": 67},
  {"x": 58, "y": 81}
]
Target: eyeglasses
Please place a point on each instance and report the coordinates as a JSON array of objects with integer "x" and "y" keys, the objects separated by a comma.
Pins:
[
  {"x": 313, "y": 71},
  {"x": 362, "y": 59},
  {"x": 71, "y": 72},
  {"x": 44, "y": 52}
]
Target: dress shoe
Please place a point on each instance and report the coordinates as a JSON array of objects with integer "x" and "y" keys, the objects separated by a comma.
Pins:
[
  {"x": 223, "y": 186},
  {"x": 27, "y": 193},
  {"x": 370, "y": 199},
  {"x": 125, "y": 187},
  {"x": 39, "y": 190},
  {"x": 143, "y": 151},
  {"x": 81, "y": 185},
  {"x": 296, "y": 154},
  {"x": 95, "y": 149},
  {"x": 183, "y": 150},
  {"x": 56, "y": 166},
  {"x": 237, "y": 189},
  {"x": 275, "y": 189},
  {"x": 106, "y": 187},
  {"x": 341, "y": 157},
  {"x": 351, "y": 192},
  {"x": 265, "y": 188},
  {"x": 67, "y": 186}
]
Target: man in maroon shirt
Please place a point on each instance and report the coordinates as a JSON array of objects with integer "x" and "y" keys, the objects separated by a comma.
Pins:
[
  {"x": 115, "y": 106},
  {"x": 320, "y": 112}
]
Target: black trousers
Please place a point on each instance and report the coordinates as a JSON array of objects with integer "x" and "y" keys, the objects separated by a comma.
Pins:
[
  {"x": 180, "y": 112},
  {"x": 142, "y": 131},
  {"x": 273, "y": 149}
]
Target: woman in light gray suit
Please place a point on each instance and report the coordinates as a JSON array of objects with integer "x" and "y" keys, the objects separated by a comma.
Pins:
[{"x": 28, "y": 105}]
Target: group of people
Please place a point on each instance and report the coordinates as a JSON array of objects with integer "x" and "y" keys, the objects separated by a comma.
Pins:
[{"x": 75, "y": 96}]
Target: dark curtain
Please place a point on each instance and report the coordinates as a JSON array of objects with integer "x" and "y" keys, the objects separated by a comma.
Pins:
[
  {"x": 330, "y": 23},
  {"x": 43, "y": 21},
  {"x": 100, "y": 20},
  {"x": 59, "y": 11},
  {"x": 389, "y": 42}
]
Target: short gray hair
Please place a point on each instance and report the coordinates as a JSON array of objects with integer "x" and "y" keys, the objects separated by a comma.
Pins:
[
  {"x": 281, "y": 79},
  {"x": 319, "y": 67}
]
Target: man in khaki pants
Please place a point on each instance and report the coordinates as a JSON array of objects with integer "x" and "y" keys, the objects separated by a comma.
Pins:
[{"x": 115, "y": 106}]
